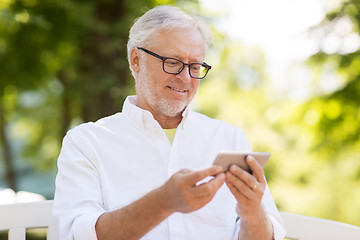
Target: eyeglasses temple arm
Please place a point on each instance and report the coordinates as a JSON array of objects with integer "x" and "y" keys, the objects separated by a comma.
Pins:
[{"x": 151, "y": 53}]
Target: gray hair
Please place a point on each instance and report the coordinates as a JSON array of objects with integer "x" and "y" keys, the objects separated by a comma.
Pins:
[{"x": 163, "y": 18}]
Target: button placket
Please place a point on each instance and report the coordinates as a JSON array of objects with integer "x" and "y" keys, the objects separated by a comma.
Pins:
[{"x": 176, "y": 226}]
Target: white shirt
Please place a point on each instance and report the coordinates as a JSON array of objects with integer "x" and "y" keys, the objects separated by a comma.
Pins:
[{"x": 108, "y": 164}]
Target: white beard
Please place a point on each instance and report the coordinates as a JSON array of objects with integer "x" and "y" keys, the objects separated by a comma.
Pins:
[{"x": 159, "y": 103}]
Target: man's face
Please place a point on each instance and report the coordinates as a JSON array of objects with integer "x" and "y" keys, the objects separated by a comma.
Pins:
[{"x": 163, "y": 94}]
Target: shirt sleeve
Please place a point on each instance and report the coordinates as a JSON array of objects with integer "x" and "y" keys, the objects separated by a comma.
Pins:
[
  {"x": 77, "y": 201},
  {"x": 273, "y": 214},
  {"x": 278, "y": 228}
]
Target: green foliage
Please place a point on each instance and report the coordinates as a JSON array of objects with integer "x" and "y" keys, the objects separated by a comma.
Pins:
[
  {"x": 335, "y": 123},
  {"x": 329, "y": 123},
  {"x": 36, "y": 42}
]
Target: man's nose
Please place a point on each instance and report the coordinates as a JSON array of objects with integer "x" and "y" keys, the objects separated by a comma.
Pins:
[{"x": 184, "y": 75}]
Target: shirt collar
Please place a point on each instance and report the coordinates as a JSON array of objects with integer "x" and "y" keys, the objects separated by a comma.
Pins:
[{"x": 144, "y": 120}]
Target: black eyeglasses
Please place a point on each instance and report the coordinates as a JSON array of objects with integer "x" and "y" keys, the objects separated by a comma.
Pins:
[{"x": 175, "y": 66}]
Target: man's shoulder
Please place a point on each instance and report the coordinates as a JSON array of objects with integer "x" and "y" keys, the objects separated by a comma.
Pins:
[
  {"x": 105, "y": 123},
  {"x": 213, "y": 123},
  {"x": 201, "y": 118},
  {"x": 223, "y": 133}
]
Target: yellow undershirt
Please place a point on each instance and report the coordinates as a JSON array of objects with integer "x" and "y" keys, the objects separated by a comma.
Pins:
[{"x": 170, "y": 133}]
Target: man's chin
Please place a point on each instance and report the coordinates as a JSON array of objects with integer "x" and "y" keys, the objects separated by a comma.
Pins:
[
  {"x": 169, "y": 108},
  {"x": 174, "y": 110},
  {"x": 173, "y": 114}
]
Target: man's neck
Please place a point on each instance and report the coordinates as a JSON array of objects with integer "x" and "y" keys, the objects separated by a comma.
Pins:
[{"x": 168, "y": 122}]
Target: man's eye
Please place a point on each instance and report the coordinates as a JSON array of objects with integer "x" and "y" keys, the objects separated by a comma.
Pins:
[
  {"x": 195, "y": 67},
  {"x": 172, "y": 63}
]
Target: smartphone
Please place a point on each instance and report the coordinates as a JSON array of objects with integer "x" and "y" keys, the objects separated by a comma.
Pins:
[{"x": 226, "y": 159}]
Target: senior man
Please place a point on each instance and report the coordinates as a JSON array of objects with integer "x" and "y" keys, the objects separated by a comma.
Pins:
[{"x": 146, "y": 173}]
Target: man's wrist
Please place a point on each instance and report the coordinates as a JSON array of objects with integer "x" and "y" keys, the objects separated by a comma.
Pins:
[
  {"x": 251, "y": 214},
  {"x": 163, "y": 201},
  {"x": 252, "y": 219}
]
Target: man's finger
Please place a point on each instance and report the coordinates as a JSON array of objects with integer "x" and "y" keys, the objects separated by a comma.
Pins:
[
  {"x": 242, "y": 175},
  {"x": 196, "y": 176},
  {"x": 212, "y": 186},
  {"x": 258, "y": 171}
]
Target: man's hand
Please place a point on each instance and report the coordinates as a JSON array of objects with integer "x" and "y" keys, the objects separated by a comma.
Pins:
[
  {"x": 248, "y": 190},
  {"x": 184, "y": 195}
]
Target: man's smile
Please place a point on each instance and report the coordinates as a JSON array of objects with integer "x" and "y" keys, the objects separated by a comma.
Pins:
[{"x": 177, "y": 89}]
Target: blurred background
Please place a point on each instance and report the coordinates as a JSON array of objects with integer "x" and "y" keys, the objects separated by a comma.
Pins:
[{"x": 287, "y": 72}]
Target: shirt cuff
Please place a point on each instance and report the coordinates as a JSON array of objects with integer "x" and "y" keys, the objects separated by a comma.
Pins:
[
  {"x": 84, "y": 226},
  {"x": 237, "y": 230},
  {"x": 278, "y": 228}
]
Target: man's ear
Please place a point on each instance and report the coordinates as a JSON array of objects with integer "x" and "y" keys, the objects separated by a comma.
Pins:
[{"x": 135, "y": 60}]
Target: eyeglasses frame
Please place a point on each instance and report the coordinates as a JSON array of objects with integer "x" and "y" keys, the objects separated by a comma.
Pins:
[{"x": 204, "y": 64}]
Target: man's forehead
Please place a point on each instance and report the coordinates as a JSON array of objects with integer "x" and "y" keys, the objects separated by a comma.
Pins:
[{"x": 177, "y": 42}]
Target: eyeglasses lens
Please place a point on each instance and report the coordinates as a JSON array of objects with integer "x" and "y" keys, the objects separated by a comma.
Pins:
[{"x": 173, "y": 66}]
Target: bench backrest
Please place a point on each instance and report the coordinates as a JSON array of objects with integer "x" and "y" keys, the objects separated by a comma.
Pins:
[
  {"x": 16, "y": 218},
  {"x": 300, "y": 227}
]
